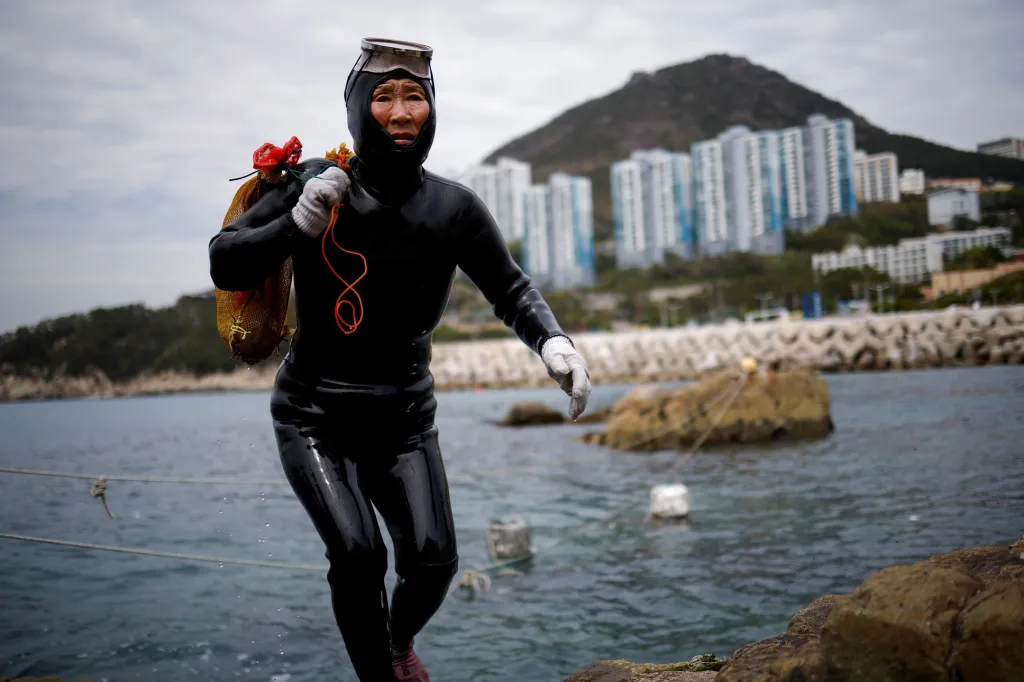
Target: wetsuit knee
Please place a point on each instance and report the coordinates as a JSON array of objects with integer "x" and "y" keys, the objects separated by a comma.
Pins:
[
  {"x": 358, "y": 562},
  {"x": 423, "y": 573}
]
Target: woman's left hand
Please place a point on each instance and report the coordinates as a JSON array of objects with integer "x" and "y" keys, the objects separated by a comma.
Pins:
[{"x": 566, "y": 366}]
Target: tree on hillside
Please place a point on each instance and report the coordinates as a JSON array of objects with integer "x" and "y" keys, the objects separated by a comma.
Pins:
[{"x": 981, "y": 257}]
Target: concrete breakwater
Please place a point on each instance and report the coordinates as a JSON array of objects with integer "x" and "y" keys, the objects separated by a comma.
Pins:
[
  {"x": 891, "y": 341},
  {"x": 870, "y": 342}
]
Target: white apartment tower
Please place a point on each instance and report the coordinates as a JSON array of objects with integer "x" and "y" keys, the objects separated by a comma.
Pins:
[
  {"x": 628, "y": 210},
  {"x": 793, "y": 177},
  {"x": 571, "y": 221},
  {"x": 829, "y": 164},
  {"x": 877, "y": 177},
  {"x": 537, "y": 238},
  {"x": 709, "y": 197},
  {"x": 514, "y": 177},
  {"x": 502, "y": 188}
]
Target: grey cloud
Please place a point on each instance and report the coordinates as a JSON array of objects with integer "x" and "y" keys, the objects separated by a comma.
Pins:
[{"x": 121, "y": 121}]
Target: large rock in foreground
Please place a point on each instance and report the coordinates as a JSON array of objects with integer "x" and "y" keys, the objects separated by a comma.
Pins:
[
  {"x": 793, "y": 404},
  {"x": 958, "y": 616}
]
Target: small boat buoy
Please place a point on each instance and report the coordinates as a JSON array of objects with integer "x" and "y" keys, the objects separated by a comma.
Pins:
[{"x": 670, "y": 501}]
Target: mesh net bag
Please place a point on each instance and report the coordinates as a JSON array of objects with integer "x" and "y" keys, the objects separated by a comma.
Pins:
[{"x": 253, "y": 323}]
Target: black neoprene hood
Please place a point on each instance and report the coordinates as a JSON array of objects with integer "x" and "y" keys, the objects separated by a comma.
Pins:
[{"x": 371, "y": 142}]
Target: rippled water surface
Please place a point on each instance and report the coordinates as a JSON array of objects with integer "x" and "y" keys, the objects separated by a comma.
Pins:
[{"x": 920, "y": 463}]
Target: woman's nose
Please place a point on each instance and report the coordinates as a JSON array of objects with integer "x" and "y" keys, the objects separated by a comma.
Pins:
[{"x": 400, "y": 113}]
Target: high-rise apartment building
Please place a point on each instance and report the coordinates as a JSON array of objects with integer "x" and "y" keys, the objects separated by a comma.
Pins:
[
  {"x": 631, "y": 249},
  {"x": 502, "y": 188},
  {"x": 682, "y": 193},
  {"x": 829, "y": 164},
  {"x": 651, "y": 205},
  {"x": 536, "y": 244},
  {"x": 571, "y": 223},
  {"x": 514, "y": 177},
  {"x": 558, "y": 243},
  {"x": 793, "y": 179},
  {"x": 877, "y": 177},
  {"x": 753, "y": 213},
  {"x": 709, "y": 197},
  {"x": 771, "y": 238}
]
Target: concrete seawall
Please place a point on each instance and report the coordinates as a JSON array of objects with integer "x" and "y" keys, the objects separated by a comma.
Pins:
[{"x": 892, "y": 341}]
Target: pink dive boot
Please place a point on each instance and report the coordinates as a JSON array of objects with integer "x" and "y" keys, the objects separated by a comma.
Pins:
[{"x": 408, "y": 667}]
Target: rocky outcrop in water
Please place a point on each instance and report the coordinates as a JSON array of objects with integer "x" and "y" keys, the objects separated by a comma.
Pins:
[
  {"x": 958, "y": 616},
  {"x": 724, "y": 407},
  {"x": 534, "y": 413}
]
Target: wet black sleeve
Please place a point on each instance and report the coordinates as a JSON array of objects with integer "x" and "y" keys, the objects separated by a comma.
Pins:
[
  {"x": 251, "y": 248},
  {"x": 485, "y": 258}
]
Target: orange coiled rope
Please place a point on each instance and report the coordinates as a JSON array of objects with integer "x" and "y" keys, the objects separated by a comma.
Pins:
[{"x": 349, "y": 299}]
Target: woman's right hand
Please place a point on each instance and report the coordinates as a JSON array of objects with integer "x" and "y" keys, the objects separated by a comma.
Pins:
[{"x": 313, "y": 211}]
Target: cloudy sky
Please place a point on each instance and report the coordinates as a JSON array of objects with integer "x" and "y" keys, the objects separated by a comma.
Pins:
[{"x": 121, "y": 121}]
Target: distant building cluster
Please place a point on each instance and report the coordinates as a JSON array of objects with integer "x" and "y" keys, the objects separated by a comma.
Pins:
[
  {"x": 1010, "y": 147},
  {"x": 914, "y": 259},
  {"x": 740, "y": 191},
  {"x": 737, "y": 192},
  {"x": 553, "y": 222}
]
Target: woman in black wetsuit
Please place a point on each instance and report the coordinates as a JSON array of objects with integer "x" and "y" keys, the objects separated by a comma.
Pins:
[{"x": 353, "y": 403}]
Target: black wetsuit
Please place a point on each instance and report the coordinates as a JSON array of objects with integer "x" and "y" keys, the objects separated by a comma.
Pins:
[{"x": 354, "y": 413}]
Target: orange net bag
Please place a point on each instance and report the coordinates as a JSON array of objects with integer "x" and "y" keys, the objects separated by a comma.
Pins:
[{"x": 254, "y": 323}]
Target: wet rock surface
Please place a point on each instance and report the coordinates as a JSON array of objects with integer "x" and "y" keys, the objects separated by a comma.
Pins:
[
  {"x": 698, "y": 669},
  {"x": 724, "y": 407},
  {"x": 958, "y": 616}
]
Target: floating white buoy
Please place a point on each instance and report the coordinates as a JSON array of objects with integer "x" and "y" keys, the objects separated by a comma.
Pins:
[
  {"x": 508, "y": 540},
  {"x": 670, "y": 501}
]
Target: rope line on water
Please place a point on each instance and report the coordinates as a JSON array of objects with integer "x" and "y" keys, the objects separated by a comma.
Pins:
[
  {"x": 147, "y": 479},
  {"x": 169, "y": 555},
  {"x": 100, "y": 481}
]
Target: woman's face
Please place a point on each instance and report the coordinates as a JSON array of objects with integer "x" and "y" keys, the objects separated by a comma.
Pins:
[{"x": 401, "y": 107}]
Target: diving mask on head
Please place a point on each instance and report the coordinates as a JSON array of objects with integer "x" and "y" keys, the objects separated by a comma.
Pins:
[
  {"x": 379, "y": 61},
  {"x": 381, "y": 55}
]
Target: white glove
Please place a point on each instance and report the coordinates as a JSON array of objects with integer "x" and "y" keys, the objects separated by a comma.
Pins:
[
  {"x": 569, "y": 369},
  {"x": 313, "y": 212}
]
